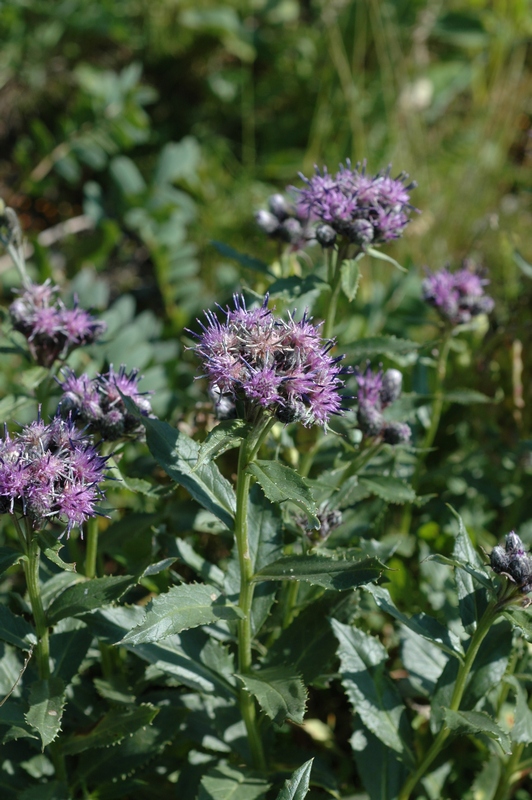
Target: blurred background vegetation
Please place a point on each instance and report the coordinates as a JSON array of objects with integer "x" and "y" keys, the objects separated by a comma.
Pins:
[{"x": 135, "y": 133}]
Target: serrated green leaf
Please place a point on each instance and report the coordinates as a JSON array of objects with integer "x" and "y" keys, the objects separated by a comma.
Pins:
[
  {"x": 373, "y": 695},
  {"x": 87, "y": 595},
  {"x": 8, "y": 558},
  {"x": 50, "y": 546},
  {"x": 388, "y": 488},
  {"x": 182, "y": 607},
  {"x": 466, "y": 397},
  {"x": 12, "y": 717},
  {"x": 227, "y": 783},
  {"x": 422, "y": 624},
  {"x": 474, "y": 722},
  {"x": 472, "y": 600},
  {"x": 226, "y": 435},
  {"x": 520, "y": 620},
  {"x": 112, "y": 728},
  {"x": 47, "y": 699},
  {"x": 178, "y": 455},
  {"x": 521, "y": 733},
  {"x": 280, "y": 483},
  {"x": 297, "y": 785},
  {"x": 279, "y": 692},
  {"x": 380, "y": 256},
  {"x": 249, "y": 262},
  {"x": 322, "y": 571},
  {"x": 15, "y": 630},
  {"x": 350, "y": 272},
  {"x": 209, "y": 572},
  {"x": 423, "y": 661},
  {"x": 380, "y": 345}
]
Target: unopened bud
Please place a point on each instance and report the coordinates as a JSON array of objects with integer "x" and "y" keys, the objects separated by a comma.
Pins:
[
  {"x": 278, "y": 206},
  {"x": 370, "y": 421},
  {"x": 499, "y": 559},
  {"x": 325, "y": 235},
  {"x": 392, "y": 383},
  {"x": 360, "y": 232},
  {"x": 396, "y": 433},
  {"x": 514, "y": 545},
  {"x": 267, "y": 222},
  {"x": 290, "y": 231}
]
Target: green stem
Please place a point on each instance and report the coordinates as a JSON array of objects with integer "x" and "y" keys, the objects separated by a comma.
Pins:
[
  {"x": 335, "y": 280},
  {"x": 91, "y": 553},
  {"x": 483, "y": 627},
  {"x": 248, "y": 452},
  {"x": 511, "y": 774},
  {"x": 31, "y": 570}
]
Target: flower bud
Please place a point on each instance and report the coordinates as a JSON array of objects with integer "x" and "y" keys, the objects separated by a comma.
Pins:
[
  {"x": 360, "y": 232},
  {"x": 290, "y": 231},
  {"x": 520, "y": 568},
  {"x": 499, "y": 559},
  {"x": 325, "y": 235},
  {"x": 392, "y": 383},
  {"x": 370, "y": 421},
  {"x": 514, "y": 545},
  {"x": 267, "y": 222},
  {"x": 396, "y": 433},
  {"x": 278, "y": 206}
]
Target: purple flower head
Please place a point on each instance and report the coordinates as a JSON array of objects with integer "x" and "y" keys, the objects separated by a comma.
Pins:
[
  {"x": 358, "y": 207},
  {"x": 377, "y": 391},
  {"x": 52, "y": 330},
  {"x": 514, "y": 562},
  {"x": 285, "y": 222},
  {"x": 259, "y": 363},
  {"x": 44, "y": 468},
  {"x": 457, "y": 296},
  {"x": 98, "y": 403}
]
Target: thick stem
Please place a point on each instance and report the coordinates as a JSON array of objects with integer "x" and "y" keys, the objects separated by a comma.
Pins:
[
  {"x": 91, "y": 553},
  {"x": 31, "y": 569},
  {"x": 335, "y": 279},
  {"x": 248, "y": 452},
  {"x": 463, "y": 673}
]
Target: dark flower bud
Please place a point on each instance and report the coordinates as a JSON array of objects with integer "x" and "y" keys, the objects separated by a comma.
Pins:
[
  {"x": 514, "y": 545},
  {"x": 290, "y": 231},
  {"x": 396, "y": 433},
  {"x": 360, "y": 232},
  {"x": 325, "y": 235},
  {"x": 499, "y": 559},
  {"x": 224, "y": 405},
  {"x": 267, "y": 222},
  {"x": 370, "y": 421},
  {"x": 278, "y": 206},
  {"x": 520, "y": 568},
  {"x": 392, "y": 383}
]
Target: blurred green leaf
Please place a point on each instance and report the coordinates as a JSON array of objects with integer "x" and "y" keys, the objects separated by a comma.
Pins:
[
  {"x": 86, "y": 595},
  {"x": 227, "y": 783},
  {"x": 340, "y": 575}
]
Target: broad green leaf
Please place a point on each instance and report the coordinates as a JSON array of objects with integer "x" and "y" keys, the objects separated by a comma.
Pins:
[
  {"x": 466, "y": 397},
  {"x": 249, "y": 262},
  {"x": 350, "y": 273},
  {"x": 209, "y": 572},
  {"x": 12, "y": 716},
  {"x": 490, "y": 664},
  {"x": 226, "y": 435},
  {"x": 472, "y": 600},
  {"x": 15, "y": 630},
  {"x": 297, "y": 785},
  {"x": 182, "y": 607},
  {"x": 8, "y": 558},
  {"x": 69, "y": 644},
  {"x": 279, "y": 692},
  {"x": 178, "y": 455},
  {"x": 380, "y": 345},
  {"x": 87, "y": 595},
  {"x": 47, "y": 698},
  {"x": 379, "y": 767},
  {"x": 388, "y": 488},
  {"x": 281, "y": 483},
  {"x": 422, "y": 624},
  {"x": 521, "y": 620},
  {"x": 50, "y": 546},
  {"x": 322, "y": 571},
  {"x": 423, "y": 660},
  {"x": 522, "y": 728},
  {"x": 474, "y": 722},
  {"x": 112, "y": 728},
  {"x": 52, "y": 790},
  {"x": 227, "y": 783},
  {"x": 373, "y": 695},
  {"x": 486, "y": 781}
]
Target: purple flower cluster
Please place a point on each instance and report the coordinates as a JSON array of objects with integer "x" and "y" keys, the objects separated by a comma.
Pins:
[
  {"x": 377, "y": 391},
  {"x": 284, "y": 222},
  {"x": 52, "y": 330},
  {"x": 50, "y": 472},
  {"x": 98, "y": 402},
  {"x": 457, "y": 296},
  {"x": 361, "y": 208},
  {"x": 261, "y": 363},
  {"x": 513, "y": 562}
]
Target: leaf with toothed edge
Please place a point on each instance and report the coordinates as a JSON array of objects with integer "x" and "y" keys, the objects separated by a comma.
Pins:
[
  {"x": 47, "y": 699},
  {"x": 297, "y": 785},
  {"x": 279, "y": 692}
]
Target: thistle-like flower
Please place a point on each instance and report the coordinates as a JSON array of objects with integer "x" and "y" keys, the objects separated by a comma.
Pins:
[
  {"x": 457, "y": 296},
  {"x": 265, "y": 364},
  {"x": 50, "y": 473},
  {"x": 361, "y": 208},
  {"x": 514, "y": 562},
  {"x": 377, "y": 391},
  {"x": 98, "y": 403},
  {"x": 51, "y": 329}
]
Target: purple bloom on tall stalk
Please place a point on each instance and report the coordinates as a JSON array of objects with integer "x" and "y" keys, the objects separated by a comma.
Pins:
[
  {"x": 98, "y": 402},
  {"x": 52, "y": 330},
  {"x": 377, "y": 391},
  {"x": 363, "y": 209},
  {"x": 50, "y": 473},
  {"x": 261, "y": 363},
  {"x": 457, "y": 296}
]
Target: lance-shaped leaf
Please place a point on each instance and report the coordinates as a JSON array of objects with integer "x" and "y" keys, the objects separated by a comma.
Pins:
[
  {"x": 50, "y": 546},
  {"x": 280, "y": 483},
  {"x": 112, "y": 728},
  {"x": 388, "y": 488},
  {"x": 380, "y": 769},
  {"x": 322, "y": 571},
  {"x": 249, "y": 262},
  {"x": 380, "y": 256},
  {"x": 8, "y": 558},
  {"x": 350, "y": 277},
  {"x": 422, "y": 624},
  {"x": 87, "y": 595},
  {"x": 279, "y": 692},
  {"x": 296, "y": 786},
  {"x": 472, "y": 600},
  {"x": 476, "y": 722},
  {"x": 226, "y": 435},
  {"x": 466, "y": 397},
  {"x": 15, "y": 630},
  {"x": 227, "y": 783},
  {"x": 380, "y": 345},
  {"x": 182, "y": 607},
  {"x": 178, "y": 455},
  {"x": 47, "y": 699},
  {"x": 372, "y": 693}
]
